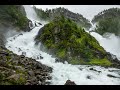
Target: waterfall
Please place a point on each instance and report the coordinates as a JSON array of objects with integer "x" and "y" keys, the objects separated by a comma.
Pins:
[
  {"x": 111, "y": 43},
  {"x": 61, "y": 72}
]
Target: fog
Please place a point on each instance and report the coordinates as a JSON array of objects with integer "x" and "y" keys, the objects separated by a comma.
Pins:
[
  {"x": 87, "y": 11},
  {"x": 11, "y": 32}
]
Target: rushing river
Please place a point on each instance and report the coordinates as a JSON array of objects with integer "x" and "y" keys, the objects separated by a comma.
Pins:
[{"x": 80, "y": 74}]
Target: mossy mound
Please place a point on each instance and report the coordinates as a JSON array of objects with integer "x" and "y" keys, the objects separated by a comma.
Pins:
[{"x": 67, "y": 42}]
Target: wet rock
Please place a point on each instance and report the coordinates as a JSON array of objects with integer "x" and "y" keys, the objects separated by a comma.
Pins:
[
  {"x": 81, "y": 69},
  {"x": 37, "y": 57},
  {"x": 9, "y": 46},
  {"x": 41, "y": 57},
  {"x": 20, "y": 34},
  {"x": 49, "y": 77},
  {"x": 14, "y": 77},
  {"x": 22, "y": 56},
  {"x": 27, "y": 83},
  {"x": 38, "y": 66},
  {"x": 33, "y": 81},
  {"x": 47, "y": 83},
  {"x": 19, "y": 50},
  {"x": 88, "y": 77},
  {"x": 31, "y": 73},
  {"x": 11, "y": 72},
  {"x": 19, "y": 68},
  {"x": 39, "y": 23},
  {"x": 37, "y": 72},
  {"x": 109, "y": 75},
  {"x": 43, "y": 83},
  {"x": 94, "y": 70},
  {"x": 91, "y": 69},
  {"x": 39, "y": 77},
  {"x": 44, "y": 74},
  {"x": 3, "y": 47},
  {"x": 3, "y": 63},
  {"x": 48, "y": 69},
  {"x": 24, "y": 53},
  {"x": 4, "y": 53},
  {"x": 69, "y": 82},
  {"x": 39, "y": 83},
  {"x": 42, "y": 79},
  {"x": 57, "y": 60},
  {"x": 31, "y": 25}
]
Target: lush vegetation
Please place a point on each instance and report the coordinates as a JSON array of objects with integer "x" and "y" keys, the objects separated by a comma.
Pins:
[
  {"x": 50, "y": 14},
  {"x": 108, "y": 21},
  {"x": 11, "y": 14},
  {"x": 69, "y": 42}
]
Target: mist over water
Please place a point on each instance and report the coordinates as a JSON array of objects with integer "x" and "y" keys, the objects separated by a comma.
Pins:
[
  {"x": 30, "y": 13},
  {"x": 61, "y": 72},
  {"x": 110, "y": 44},
  {"x": 88, "y": 11}
]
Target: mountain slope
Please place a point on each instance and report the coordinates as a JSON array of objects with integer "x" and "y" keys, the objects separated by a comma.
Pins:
[
  {"x": 12, "y": 20},
  {"x": 52, "y": 13},
  {"x": 108, "y": 21}
]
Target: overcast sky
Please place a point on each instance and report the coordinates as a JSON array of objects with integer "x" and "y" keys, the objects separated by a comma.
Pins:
[{"x": 87, "y": 11}]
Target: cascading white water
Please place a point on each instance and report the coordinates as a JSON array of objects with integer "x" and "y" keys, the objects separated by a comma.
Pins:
[
  {"x": 80, "y": 74},
  {"x": 111, "y": 43}
]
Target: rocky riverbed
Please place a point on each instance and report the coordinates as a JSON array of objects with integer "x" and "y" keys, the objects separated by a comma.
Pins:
[{"x": 20, "y": 70}]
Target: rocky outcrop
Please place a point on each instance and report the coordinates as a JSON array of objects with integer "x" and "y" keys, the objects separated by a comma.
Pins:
[
  {"x": 67, "y": 42},
  {"x": 57, "y": 12},
  {"x": 20, "y": 70},
  {"x": 69, "y": 82}
]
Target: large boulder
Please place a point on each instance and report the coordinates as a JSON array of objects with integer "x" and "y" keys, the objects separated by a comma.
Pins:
[{"x": 69, "y": 82}]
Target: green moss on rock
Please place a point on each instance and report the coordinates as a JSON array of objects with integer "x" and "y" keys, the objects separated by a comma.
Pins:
[
  {"x": 71, "y": 43},
  {"x": 101, "y": 62}
]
